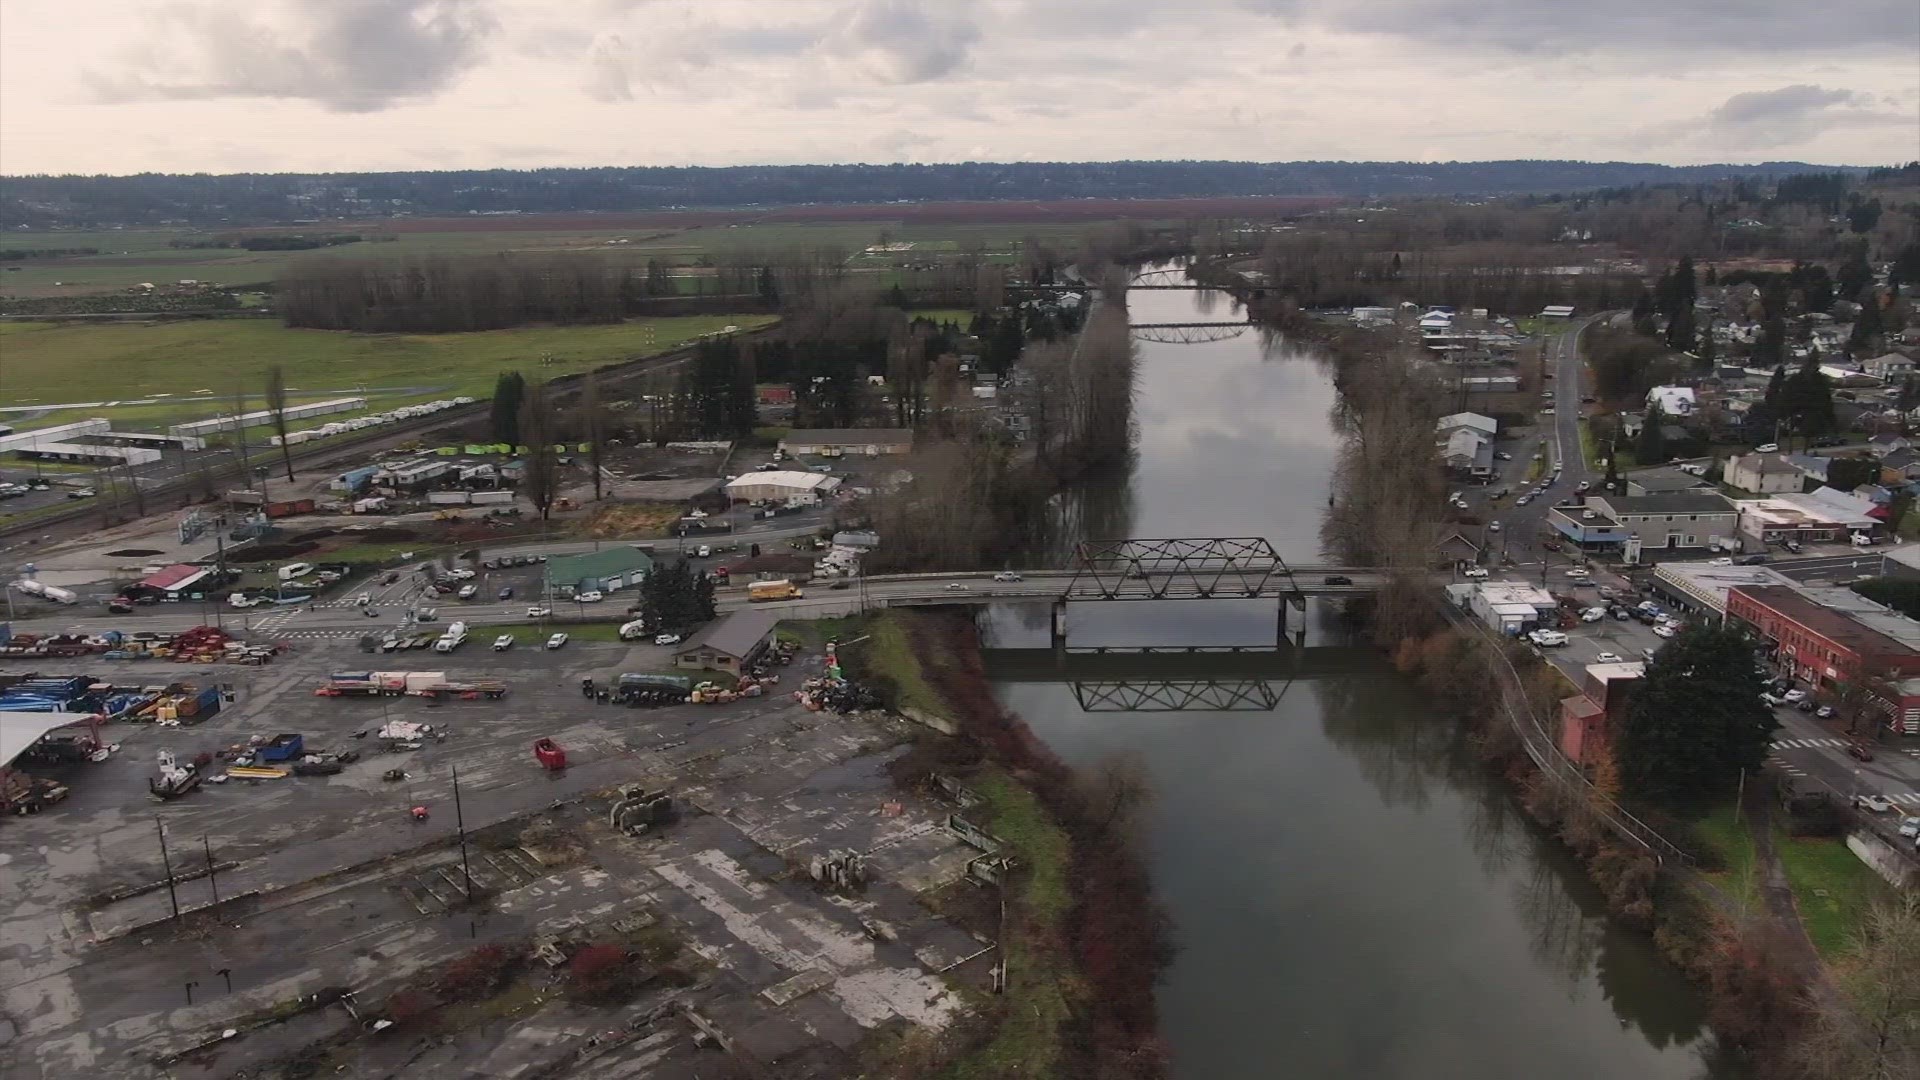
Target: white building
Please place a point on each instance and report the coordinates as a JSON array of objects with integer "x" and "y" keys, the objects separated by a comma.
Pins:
[
  {"x": 1512, "y": 607},
  {"x": 1890, "y": 367},
  {"x": 1673, "y": 400},
  {"x": 1485, "y": 425},
  {"x": 1823, "y": 514},
  {"x": 1764, "y": 474},
  {"x": 833, "y": 441},
  {"x": 781, "y": 485}
]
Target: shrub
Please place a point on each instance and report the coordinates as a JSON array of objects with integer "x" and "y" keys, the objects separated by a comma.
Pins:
[{"x": 479, "y": 972}]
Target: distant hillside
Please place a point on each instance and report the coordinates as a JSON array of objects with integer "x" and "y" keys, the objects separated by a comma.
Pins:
[{"x": 41, "y": 202}]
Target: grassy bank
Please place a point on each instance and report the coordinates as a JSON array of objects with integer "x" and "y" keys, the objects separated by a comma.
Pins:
[{"x": 1832, "y": 889}]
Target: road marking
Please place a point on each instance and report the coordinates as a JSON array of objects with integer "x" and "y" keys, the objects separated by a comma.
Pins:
[
  {"x": 1905, "y": 797},
  {"x": 1806, "y": 744}
]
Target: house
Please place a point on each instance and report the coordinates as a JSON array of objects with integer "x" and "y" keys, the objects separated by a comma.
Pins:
[
  {"x": 1887, "y": 443},
  {"x": 1512, "y": 607},
  {"x": 1457, "y": 549},
  {"x": 731, "y": 644},
  {"x": 1763, "y": 474},
  {"x": 1900, "y": 468},
  {"x": 1468, "y": 453},
  {"x": 835, "y": 441},
  {"x": 1485, "y": 425},
  {"x": 1811, "y": 466},
  {"x": 1631, "y": 423},
  {"x": 1663, "y": 481},
  {"x": 597, "y": 571},
  {"x": 1436, "y": 322},
  {"x": 1673, "y": 400}
]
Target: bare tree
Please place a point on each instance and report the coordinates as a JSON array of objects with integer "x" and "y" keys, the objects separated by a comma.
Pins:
[
  {"x": 240, "y": 439},
  {"x": 593, "y": 419},
  {"x": 1873, "y": 1031},
  {"x": 1116, "y": 792},
  {"x": 276, "y": 398},
  {"x": 540, "y": 478}
]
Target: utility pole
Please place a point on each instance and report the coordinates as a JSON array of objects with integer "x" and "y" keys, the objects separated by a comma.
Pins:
[
  {"x": 213, "y": 881},
  {"x": 165, "y": 860},
  {"x": 460, "y": 823}
]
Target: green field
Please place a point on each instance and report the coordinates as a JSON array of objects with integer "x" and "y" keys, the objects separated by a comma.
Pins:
[
  {"x": 200, "y": 363},
  {"x": 1831, "y": 887}
]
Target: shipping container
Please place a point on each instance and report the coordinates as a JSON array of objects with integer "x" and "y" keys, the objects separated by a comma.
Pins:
[
  {"x": 448, "y": 498},
  {"x": 492, "y": 498}
]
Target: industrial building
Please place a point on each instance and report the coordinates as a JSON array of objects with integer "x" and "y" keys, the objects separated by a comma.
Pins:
[
  {"x": 89, "y": 453},
  {"x": 57, "y": 434},
  {"x": 781, "y": 485},
  {"x": 597, "y": 571},
  {"x": 833, "y": 442},
  {"x": 1512, "y": 607},
  {"x": 731, "y": 644},
  {"x": 265, "y": 416}
]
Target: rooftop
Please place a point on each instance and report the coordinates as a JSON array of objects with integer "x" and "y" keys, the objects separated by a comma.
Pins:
[
  {"x": 784, "y": 478},
  {"x": 1836, "y": 626},
  {"x": 1516, "y": 592},
  {"x": 735, "y": 635},
  {"x": 613, "y": 560},
  {"x": 1676, "y": 502},
  {"x": 1665, "y": 478},
  {"x": 1609, "y": 672},
  {"x": 1766, "y": 463}
]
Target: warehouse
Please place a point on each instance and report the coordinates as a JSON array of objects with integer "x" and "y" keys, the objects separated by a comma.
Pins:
[
  {"x": 264, "y": 416},
  {"x": 57, "y": 434},
  {"x": 833, "y": 442},
  {"x": 781, "y": 485},
  {"x": 730, "y": 645},
  {"x": 597, "y": 571},
  {"x": 88, "y": 453}
]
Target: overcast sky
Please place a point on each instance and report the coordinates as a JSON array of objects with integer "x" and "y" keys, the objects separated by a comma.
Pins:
[{"x": 318, "y": 85}]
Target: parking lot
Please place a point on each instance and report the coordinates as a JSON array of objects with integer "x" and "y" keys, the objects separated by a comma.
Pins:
[{"x": 330, "y": 881}]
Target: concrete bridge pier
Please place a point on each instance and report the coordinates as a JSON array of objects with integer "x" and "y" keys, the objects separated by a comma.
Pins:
[
  {"x": 1059, "y": 626},
  {"x": 1288, "y": 602}
]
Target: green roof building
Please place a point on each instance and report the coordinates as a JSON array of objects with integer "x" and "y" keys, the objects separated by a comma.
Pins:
[{"x": 597, "y": 571}]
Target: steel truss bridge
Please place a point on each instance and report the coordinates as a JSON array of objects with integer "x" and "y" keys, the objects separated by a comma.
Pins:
[{"x": 1162, "y": 679}]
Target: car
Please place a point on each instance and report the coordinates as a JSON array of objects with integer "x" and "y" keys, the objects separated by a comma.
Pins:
[
  {"x": 1620, "y": 613},
  {"x": 1609, "y": 658},
  {"x": 1665, "y": 630},
  {"x": 667, "y": 639},
  {"x": 1793, "y": 546},
  {"x": 1878, "y": 804},
  {"x": 467, "y": 591},
  {"x": 1766, "y": 448},
  {"x": 427, "y": 615},
  {"x": 1826, "y": 712},
  {"x": 1751, "y": 560},
  {"x": 391, "y": 579},
  {"x": 1548, "y": 411},
  {"x": 1795, "y": 694},
  {"x": 506, "y": 592},
  {"x": 1548, "y": 395},
  {"x": 591, "y": 596},
  {"x": 1474, "y": 572},
  {"x": 1338, "y": 579},
  {"x": 1860, "y": 751},
  {"x": 503, "y": 643},
  {"x": 1605, "y": 593},
  {"x": 460, "y": 574},
  {"x": 1721, "y": 561},
  {"x": 1548, "y": 639},
  {"x": 702, "y": 551},
  {"x": 1805, "y": 705},
  {"x": 1910, "y": 826},
  {"x": 956, "y": 586},
  {"x": 556, "y": 641},
  {"x": 1502, "y": 455},
  {"x": 363, "y": 599},
  {"x": 1006, "y": 575},
  {"x": 1593, "y": 614},
  {"x": 1523, "y": 500},
  {"x": 82, "y": 493},
  {"x": 1582, "y": 486},
  {"x": 1578, "y": 572},
  {"x": 1493, "y": 526},
  {"x": 1862, "y": 540},
  {"x": 840, "y": 585},
  {"x": 1772, "y": 699},
  {"x": 539, "y": 612}
]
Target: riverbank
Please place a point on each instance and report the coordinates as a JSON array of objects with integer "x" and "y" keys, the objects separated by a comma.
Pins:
[{"x": 1082, "y": 941}]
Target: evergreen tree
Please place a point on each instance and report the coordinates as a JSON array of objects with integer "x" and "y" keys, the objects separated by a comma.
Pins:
[
  {"x": 1651, "y": 449},
  {"x": 509, "y": 390},
  {"x": 1696, "y": 721},
  {"x": 1709, "y": 349},
  {"x": 1643, "y": 314},
  {"x": 1867, "y": 327},
  {"x": 1855, "y": 273},
  {"x": 1681, "y": 330},
  {"x": 1772, "y": 346}
]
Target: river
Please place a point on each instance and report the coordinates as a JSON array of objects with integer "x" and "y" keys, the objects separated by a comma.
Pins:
[{"x": 1353, "y": 895}]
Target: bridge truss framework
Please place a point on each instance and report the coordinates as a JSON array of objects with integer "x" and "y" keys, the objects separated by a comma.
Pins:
[
  {"x": 1176, "y": 695},
  {"x": 1180, "y": 568}
]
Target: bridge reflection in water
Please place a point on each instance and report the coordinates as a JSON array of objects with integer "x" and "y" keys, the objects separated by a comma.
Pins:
[{"x": 1177, "y": 679}]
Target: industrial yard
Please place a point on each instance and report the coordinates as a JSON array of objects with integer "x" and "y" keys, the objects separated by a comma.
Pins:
[{"x": 769, "y": 889}]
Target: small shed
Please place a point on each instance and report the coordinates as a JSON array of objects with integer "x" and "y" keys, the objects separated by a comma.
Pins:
[{"x": 732, "y": 644}]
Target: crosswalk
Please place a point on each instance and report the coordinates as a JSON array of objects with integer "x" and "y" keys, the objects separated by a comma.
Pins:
[{"x": 1807, "y": 744}]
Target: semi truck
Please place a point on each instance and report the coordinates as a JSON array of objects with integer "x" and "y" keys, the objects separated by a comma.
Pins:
[
  {"x": 455, "y": 637},
  {"x": 780, "y": 589},
  {"x": 47, "y": 592}
]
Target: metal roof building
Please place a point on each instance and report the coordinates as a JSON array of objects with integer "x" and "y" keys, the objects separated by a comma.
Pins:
[
  {"x": 730, "y": 644},
  {"x": 781, "y": 484},
  {"x": 598, "y": 571}
]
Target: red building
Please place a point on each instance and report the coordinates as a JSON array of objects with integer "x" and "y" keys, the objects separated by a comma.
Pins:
[
  {"x": 1588, "y": 718},
  {"x": 1824, "y": 645}
]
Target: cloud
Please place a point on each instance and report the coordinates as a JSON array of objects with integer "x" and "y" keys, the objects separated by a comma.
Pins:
[
  {"x": 347, "y": 55},
  {"x": 1765, "y": 119},
  {"x": 1785, "y": 105},
  {"x": 900, "y": 42}
]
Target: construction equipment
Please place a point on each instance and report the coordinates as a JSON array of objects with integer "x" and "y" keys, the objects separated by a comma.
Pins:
[
  {"x": 25, "y": 794},
  {"x": 174, "y": 780}
]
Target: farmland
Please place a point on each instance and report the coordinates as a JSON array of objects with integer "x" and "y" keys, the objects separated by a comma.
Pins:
[{"x": 199, "y": 364}]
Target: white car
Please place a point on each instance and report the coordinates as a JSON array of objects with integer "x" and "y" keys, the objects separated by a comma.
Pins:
[
  {"x": 956, "y": 586},
  {"x": 539, "y": 612},
  {"x": 1794, "y": 696},
  {"x": 1474, "y": 572},
  {"x": 1588, "y": 515},
  {"x": 1608, "y": 658},
  {"x": 667, "y": 639},
  {"x": 1503, "y": 456},
  {"x": 1766, "y": 448},
  {"x": 460, "y": 574},
  {"x": 466, "y": 591},
  {"x": 1547, "y": 639},
  {"x": 1006, "y": 575},
  {"x": 1548, "y": 411},
  {"x": 1910, "y": 826},
  {"x": 1862, "y": 540},
  {"x": 1493, "y": 526},
  {"x": 363, "y": 599},
  {"x": 1721, "y": 561},
  {"x": 591, "y": 596},
  {"x": 503, "y": 643},
  {"x": 1579, "y": 572},
  {"x": 1878, "y": 804},
  {"x": 1666, "y": 630},
  {"x": 702, "y": 551},
  {"x": 1593, "y": 614},
  {"x": 1523, "y": 500},
  {"x": 556, "y": 641}
]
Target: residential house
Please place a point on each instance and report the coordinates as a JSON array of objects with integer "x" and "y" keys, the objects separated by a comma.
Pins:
[
  {"x": 1763, "y": 474},
  {"x": 1663, "y": 480},
  {"x": 1673, "y": 400},
  {"x": 1485, "y": 425},
  {"x": 1456, "y": 549},
  {"x": 1892, "y": 367},
  {"x": 1468, "y": 453},
  {"x": 1811, "y": 466},
  {"x": 1900, "y": 468},
  {"x": 1887, "y": 443}
]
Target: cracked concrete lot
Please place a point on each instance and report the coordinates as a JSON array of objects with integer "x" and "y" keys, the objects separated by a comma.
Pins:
[{"x": 328, "y": 884}]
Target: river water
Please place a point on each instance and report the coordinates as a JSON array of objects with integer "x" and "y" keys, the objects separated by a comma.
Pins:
[{"x": 1353, "y": 896}]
